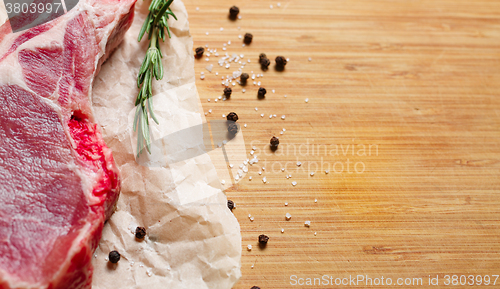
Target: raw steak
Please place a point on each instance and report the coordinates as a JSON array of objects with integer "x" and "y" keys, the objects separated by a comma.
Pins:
[{"x": 58, "y": 179}]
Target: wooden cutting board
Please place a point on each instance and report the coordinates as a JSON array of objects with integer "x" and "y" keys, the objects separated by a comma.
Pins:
[{"x": 404, "y": 113}]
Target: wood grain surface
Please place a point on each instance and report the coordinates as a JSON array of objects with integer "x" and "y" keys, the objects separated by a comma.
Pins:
[{"x": 416, "y": 85}]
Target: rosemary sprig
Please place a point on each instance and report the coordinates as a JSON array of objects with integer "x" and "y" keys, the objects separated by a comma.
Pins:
[{"x": 155, "y": 25}]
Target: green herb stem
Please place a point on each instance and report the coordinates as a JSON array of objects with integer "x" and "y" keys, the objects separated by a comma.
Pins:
[{"x": 155, "y": 24}]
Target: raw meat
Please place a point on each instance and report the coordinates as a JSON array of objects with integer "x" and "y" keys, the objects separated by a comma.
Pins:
[{"x": 58, "y": 179}]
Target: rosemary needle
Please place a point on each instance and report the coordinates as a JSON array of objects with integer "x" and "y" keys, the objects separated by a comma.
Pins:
[{"x": 155, "y": 25}]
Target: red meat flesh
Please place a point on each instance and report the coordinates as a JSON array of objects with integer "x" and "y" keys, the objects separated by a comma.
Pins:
[{"x": 58, "y": 179}]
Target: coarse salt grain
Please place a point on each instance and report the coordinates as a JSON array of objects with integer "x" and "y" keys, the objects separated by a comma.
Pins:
[
  {"x": 249, "y": 247},
  {"x": 261, "y": 115},
  {"x": 223, "y": 182},
  {"x": 312, "y": 174},
  {"x": 307, "y": 223},
  {"x": 270, "y": 116},
  {"x": 315, "y": 200},
  {"x": 239, "y": 36},
  {"x": 282, "y": 230},
  {"x": 206, "y": 34},
  {"x": 271, "y": 6},
  {"x": 310, "y": 59},
  {"x": 299, "y": 163},
  {"x": 222, "y": 29},
  {"x": 283, "y": 117},
  {"x": 282, "y": 169},
  {"x": 273, "y": 91},
  {"x": 245, "y": 125},
  {"x": 210, "y": 111},
  {"x": 307, "y": 100},
  {"x": 231, "y": 165},
  {"x": 294, "y": 183},
  {"x": 251, "y": 219},
  {"x": 256, "y": 109},
  {"x": 288, "y": 216},
  {"x": 327, "y": 171},
  {"x": 286, "y": 204},
  {"x": 264, "y": 180},
  {"x": 243, "y": 90}
]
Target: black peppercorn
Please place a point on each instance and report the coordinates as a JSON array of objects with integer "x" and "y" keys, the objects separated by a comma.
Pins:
[
  {"x": 114, "y": 257},
  {"x": 263, "y": 239},
  {"x": 230, "y": 204},
  {"x": 248, "y": 38},
  {"x": 264, "y": 63},
  {"x": 255, "y": 287},
  {"x": 199, "y": 52},
  {"x": 233, "y": 12},
  {"x": 262, "y": 92},
  {"x": 227, "y": 92},
  {"x": 232, "y": 128},
  {"x": 275, "y": 142},
  {"x": 140, "y": 232},
  {"x": 280, "y": 62},
  {"x": 262, "y": 56},
  {"x": 232, "y": 116},
  {"x": 244, "y": 77}
]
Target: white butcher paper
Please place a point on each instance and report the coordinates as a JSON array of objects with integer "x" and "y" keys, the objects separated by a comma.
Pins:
[{"x": 193, "y": 240}]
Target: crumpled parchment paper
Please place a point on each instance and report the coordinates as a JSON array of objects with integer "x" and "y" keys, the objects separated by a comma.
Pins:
[{"x": 193, "y": 240}]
